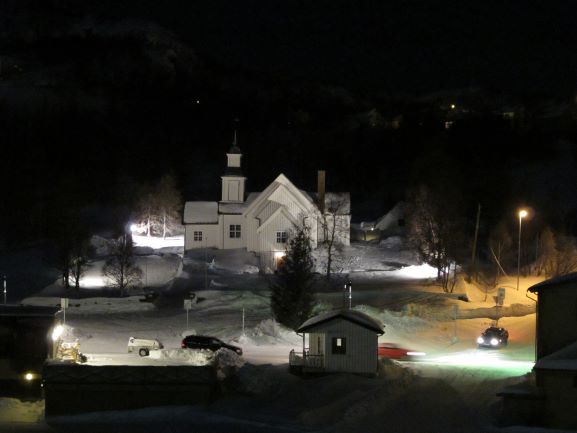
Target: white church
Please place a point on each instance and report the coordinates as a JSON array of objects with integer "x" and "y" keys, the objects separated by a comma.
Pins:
[{"x": 262, "y": 222}]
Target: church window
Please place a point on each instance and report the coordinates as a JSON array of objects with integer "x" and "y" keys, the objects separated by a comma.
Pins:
[
  {"x": 234, "y": 231},
  {"x": 197, "y": 236},
  {"x": 281, "y": 237}
]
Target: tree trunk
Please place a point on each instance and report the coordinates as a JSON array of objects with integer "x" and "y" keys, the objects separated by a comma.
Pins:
[
  {"x": 78, "y": 270},
  {"x": 164, "y": 225}
]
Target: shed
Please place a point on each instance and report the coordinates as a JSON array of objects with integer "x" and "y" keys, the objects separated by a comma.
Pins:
[
  {"x": 338, "y": 341},
  {"x": 25, "y": 341}
]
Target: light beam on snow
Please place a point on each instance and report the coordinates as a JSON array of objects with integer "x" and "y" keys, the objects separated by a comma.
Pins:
[
  {"x": 417, "y": 272},
  {"x": 483, "y": 359},
  {"x": 92, "y": 282},
  {"x": 156, "y": 242}
]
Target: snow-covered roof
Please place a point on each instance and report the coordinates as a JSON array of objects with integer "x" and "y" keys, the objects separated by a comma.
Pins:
[
  {"x": 391, "y": 216},
  {"x": 28, "y": 311},
  {"x": 557, "y": 281},
  {"x": 237, "y": 208},
  {"x": 353, "y": 316},
  {"x": 564, "y": 359},
  {"x": 200, "y": 212}
]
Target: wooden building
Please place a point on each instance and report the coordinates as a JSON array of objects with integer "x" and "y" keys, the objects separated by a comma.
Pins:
[
  {"x": 552, "y": 400},
  {"x": 338, "y": 341},
  {"x": 25, "y": 341}
]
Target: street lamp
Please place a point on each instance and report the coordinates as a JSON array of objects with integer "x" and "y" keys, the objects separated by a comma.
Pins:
[{"x": 522, "y": 214}]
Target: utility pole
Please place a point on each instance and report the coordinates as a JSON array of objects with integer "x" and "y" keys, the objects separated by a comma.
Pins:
[
  {"x": 243, "y": 321},
  {"x": 474, "y": 253},
  {"x": 5, "y": 292},
  {"x": 205, "y": 267},
  {"x": 349, "y": 294}
]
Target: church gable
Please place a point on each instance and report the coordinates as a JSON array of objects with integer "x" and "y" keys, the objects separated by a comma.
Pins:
[{"x": 281, "y": 191}]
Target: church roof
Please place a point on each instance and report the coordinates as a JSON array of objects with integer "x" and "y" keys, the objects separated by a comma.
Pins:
[
  {"x": 234, "y": 149},
  {"x": 200, "y": 212},
  {"x": 236, "y": 208}
]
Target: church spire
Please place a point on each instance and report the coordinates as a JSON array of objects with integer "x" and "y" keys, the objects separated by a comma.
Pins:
[
  {"x": 233, "y": 180},
  {"x": 234, "y": 148}
]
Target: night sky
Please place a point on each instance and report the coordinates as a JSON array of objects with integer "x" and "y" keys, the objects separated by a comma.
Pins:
[{"x": 97, "y": 97}]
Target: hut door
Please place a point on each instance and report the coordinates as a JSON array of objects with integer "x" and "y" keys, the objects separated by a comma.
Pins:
[{"x": 319, "y": 345}]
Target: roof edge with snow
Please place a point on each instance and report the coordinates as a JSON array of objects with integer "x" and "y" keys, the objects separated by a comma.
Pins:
[
  {"x": 557, "y": 281},
  {"x": 352, "y": 316}
]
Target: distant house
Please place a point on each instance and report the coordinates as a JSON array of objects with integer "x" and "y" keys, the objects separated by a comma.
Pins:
[
  {"x": 262, "y": 222},
  {"x": 338, "y": 341},
  {"x": 390, "y": 224},
  {"x": 556, "y": 357}
]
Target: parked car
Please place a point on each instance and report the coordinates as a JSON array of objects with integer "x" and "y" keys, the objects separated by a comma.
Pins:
[
  {"x": 143, "y": 346},
  {"x": 394, "y": 351},
  {"x": 205, "y": 342},
  {"x": 493, "y": 337}
]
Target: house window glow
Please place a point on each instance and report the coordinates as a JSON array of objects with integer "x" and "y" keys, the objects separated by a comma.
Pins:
[
  {"x": 197, "y": 236},
  {"x": 339, "y": 346},
  {"x": 234, "y": 231},
  {"x": 281, "y": 237}
]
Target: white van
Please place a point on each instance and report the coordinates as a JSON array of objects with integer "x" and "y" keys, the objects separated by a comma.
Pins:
[{"x": 143, "y": 346}]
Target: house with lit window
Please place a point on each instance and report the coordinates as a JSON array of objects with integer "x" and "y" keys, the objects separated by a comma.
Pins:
[
  {"x": 262, "y": 222},
  {"x": 342, "y": 341}
]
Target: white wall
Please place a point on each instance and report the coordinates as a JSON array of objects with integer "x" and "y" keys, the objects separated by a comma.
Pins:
[
  {"x": 209, "y": 236},
  {"x": 225, "y": 221}
]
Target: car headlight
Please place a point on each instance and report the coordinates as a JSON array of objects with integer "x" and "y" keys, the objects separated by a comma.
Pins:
[
  {"x": 416, "y": 353},
  {"x": 494, "y": 341},
  {"x": 480, "y": 340}
]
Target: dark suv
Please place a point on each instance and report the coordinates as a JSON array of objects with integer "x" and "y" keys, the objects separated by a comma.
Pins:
[
  {"x": 210, "y": 343},
  {"x": 493, "y": 337}
]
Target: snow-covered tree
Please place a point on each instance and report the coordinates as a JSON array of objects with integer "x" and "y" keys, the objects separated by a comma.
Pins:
[
  {"x": 120, "y": 268},
  {"x": 291, "y": 296}
]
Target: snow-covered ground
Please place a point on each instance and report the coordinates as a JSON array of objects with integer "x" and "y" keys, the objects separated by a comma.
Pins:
[{"x": 388, "y": 284}]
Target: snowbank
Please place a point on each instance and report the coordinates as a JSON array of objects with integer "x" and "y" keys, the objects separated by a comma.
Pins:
[
  {"x": 94, "y": 306},
  {"x": 15, "y": 411},
  {"x": 226, "y": 361}
]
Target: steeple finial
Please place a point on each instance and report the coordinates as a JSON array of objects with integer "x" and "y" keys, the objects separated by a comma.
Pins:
[{"x": 234, "y": 148}]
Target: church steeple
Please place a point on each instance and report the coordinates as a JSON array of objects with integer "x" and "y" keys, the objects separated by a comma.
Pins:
[{"x": 233, "y": 180}]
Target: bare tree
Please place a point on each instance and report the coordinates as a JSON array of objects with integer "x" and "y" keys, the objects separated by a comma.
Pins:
[
  {"x": 435, "y": 230},
  {"x": 169, "y": 202},
  {"x": 500, "y": 243},
  {"x": 120, "y": 268},
  {"x": 146, "y": 207},
  {"x": 79, "y": 260},
  {"x": 158, "y": 207},
  {"x": 558, "y": 254},
  {"x": 334, "y": 225}
]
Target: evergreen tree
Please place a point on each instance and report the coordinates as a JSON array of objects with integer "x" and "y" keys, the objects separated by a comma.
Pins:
[{"x": 291, "y": 298}]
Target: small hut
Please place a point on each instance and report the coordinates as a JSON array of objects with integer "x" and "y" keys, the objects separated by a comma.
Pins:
[{"x": 338, "y": 341}]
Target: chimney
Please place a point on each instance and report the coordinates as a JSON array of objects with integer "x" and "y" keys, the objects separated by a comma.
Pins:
[{"x": 321, "y": 190}]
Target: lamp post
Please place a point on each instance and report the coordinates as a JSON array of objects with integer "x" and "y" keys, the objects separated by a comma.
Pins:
[{"x": 522, "y": 214}]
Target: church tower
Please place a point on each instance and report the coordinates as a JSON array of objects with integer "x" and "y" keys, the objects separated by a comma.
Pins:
[{"x": 233, "y": 180}]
